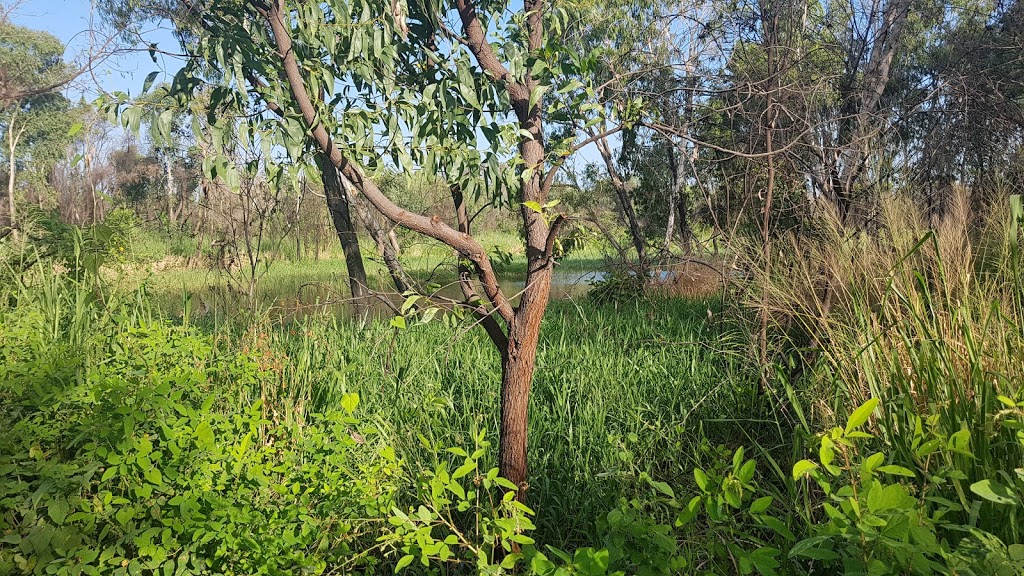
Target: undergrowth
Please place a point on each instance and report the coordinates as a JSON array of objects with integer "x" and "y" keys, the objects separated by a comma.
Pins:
[{"x": 891, "y": 441}]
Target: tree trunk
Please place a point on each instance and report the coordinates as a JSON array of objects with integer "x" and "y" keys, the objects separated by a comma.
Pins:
[
  {"x": 860, "y": 118},
  {"x": 338, "y": 205},
  {"x": 12, "y": 146},
  {"x": 517, "y": 369},
  {"x": 12, "y": 167},
  {"x": 770, "y": 23},
  {"x": 384, "y": 239},
  {"x": 670, "y": 224},
  {"x": 519, "y": 349},
  {"x": 625, "y": 201},
  {"x": 172, "y": 215},
  {"x": 520, "y": 354}
]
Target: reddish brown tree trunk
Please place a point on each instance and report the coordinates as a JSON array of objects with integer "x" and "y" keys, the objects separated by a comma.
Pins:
[{"x": 517, "y": 367}]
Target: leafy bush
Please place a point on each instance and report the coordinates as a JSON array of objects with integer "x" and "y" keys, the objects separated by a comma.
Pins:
[
  {"x": 128, "y": 453},
  {"x": 618, "y": 285},
  {"x": 881, "y": 517}
]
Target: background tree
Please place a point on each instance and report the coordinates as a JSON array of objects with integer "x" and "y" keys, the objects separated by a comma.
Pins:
[{"x": 36, "y": 122}]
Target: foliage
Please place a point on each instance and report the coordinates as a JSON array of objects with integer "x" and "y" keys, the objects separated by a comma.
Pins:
[
  {"x": 886, "y": 518},
  {"x": 618, "y": 285},
  {"x": 142, "y": 463}
]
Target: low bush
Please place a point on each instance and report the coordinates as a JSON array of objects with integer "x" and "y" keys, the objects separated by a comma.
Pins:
[{"x": 127, "y": 452}]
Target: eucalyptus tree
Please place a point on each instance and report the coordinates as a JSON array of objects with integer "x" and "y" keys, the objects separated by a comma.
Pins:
[
  {"x": 688, "y": 55},
  {"x": 972, "y": 79},
  {"x": 455, "y": 89},
  {"x": 192, "y": 26},
  {"x": 625, "y": 38},
  {"x": 33, "y": 115}
]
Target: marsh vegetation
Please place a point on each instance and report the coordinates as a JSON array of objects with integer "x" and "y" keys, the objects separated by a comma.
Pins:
[{"x": 556, "y": 288}]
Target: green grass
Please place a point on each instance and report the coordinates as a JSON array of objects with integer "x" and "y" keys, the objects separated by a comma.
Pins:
[
  {"x": 617, "y": 389},
  {"x": 646, "y": 387},
  {"x": 617, "y": 392},
  {"x": 289, "y": 286}
]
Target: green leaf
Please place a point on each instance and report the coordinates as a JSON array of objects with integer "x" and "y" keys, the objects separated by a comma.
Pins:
[
  {"x": 761, "y": 504},
  {"x": 57, "y": 510},
  {"x": 808, "y": 548},
  {"x": 522, "y": 539},
  {"x": 886, "y": 498},
  {"x": 204, "y": 434},
  {"x": 537, "y": 94},
  {"x": 872, "y": 462},
  {"x": 403, "y": 562},
  {"x": 148, "y": 82},
  {"x": 737, "y": 459},
  {"x": 75, "y": 129},
  {"x": 428, "y": 315},
  {"x": 349, "y": 402},
  {"x": 746, "y": 472},
  {"x": 994, "y": 492},
  {"x": 466, "y": 468},
  {"x": 701, "y": 478},
  {"x": 457, "y": 489},
  {"x": 662, "y": 487},
  {"x": 125, "y": 515},
  {"x": 163, "y": 126},
  {"x": 860, "y": 415},
  {"x": 109, "y": 473},
  {"x": 897, "y": 471},
  {"x": 535, "y": 206},
  {"x": 409, "y": 303},
  {"x": 803, "y": 467},
  {"x": 398, "y": 322}
]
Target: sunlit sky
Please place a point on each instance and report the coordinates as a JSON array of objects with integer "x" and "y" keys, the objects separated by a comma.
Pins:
[{"x": 69, "y": 20}]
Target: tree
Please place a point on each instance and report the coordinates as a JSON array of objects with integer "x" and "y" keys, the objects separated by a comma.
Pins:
[
  {"x": 31, "y": 66},
  {"x": 372, "y": 84}
]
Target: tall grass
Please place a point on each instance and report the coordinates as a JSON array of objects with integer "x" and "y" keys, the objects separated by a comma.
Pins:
[
  {"x": 617, "y": 392},
  {"x": 924, "y": 315}
]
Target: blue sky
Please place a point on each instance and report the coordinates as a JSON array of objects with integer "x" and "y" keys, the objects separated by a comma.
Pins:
[{"x": 69, "y": 21}]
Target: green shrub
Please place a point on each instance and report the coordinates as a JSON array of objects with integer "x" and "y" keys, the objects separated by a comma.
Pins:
[
  {"x": 885, "y": 516},
  {"x": 619, "y": 285},
  {"x": 129, "y": 452}
]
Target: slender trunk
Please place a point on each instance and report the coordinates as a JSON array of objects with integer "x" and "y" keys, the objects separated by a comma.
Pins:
[
  {"x": 338, "y": 205},
  {"x": 393, "y": 241},
  {"x": 625, "y": 201},
  {"x": 383, "y": 239},
  {"x": 762, "y": 337},
  {"x": 670, "y": 225},
  {"x": 519, "y": 350},
  {"x": 685, "y": 232},
  {"x": 171, "y": 214},
  {"x": 12, "y": 167}
]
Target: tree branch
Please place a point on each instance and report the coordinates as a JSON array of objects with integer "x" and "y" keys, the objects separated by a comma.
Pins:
[{"x": 432, "y": 227}]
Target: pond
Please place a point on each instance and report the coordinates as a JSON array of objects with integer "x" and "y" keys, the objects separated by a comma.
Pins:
[{"x": 291, "y": 290}]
